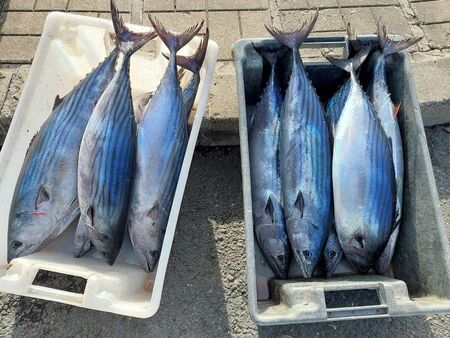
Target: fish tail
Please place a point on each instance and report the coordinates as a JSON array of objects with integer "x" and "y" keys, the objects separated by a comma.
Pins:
[
  {"x": 126, "y": 40},
  {"x": 271, "y": 55},
  {"x": 294, "y": 39},
  {"x": 174, "y": 41},
  {"x": 355, "y": 44},
  {"x": 194, "y": 62},
  {"x": 351, "y": 64},
  {"x": 389, "y": 46}
]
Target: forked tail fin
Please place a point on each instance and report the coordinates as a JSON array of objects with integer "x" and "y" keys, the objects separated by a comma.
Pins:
[
  {"x": 294, "y": 39},
  {"x": 174, "y": 41},
  {"x": 351, "y": 64},
  {"x": 271, "y": 55},
  {"x": 194, "y": 62},
  {"x": 389, "y": 46},
  {"x": 127, "y": 41}
]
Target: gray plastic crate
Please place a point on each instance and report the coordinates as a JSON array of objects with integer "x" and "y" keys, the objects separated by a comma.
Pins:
[{"x": 418, "y": 281}]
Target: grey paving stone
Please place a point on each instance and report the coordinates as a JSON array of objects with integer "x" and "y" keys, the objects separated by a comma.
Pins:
[
  {"x": 160, "y": 5},
  {"x": 252, "y": 23},
  {"x": 126, "y": 16},
  {"x": 23, "y": 23},
  {"x": 18, "y": 5},
  {"x": 98, "y": 5},
  {"x": 438, "y": 35},
  {"x": 292, "y": 4},
  {"x": 361, "y": 19},
  {"x": 17, "y": 49},
  {"x": 186, "y": 5},
  {"x": 328, "y": 20},
  {"x": 237, "y": 4},
  {"x": 51, "y": 5},
  {"x": 224, "y": 28},
  {"x": 177, "y": 21},
  {"x": 366, "y": 3},
  {"x": 433, "y": 11},
  {"x": 312, "y": 4},
  {"x": 394, "y": 20},
  {"x": 92, "y": 14}
]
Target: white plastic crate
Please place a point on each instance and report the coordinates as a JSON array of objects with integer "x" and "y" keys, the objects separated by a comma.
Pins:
[{"x": 70, "y": 47}]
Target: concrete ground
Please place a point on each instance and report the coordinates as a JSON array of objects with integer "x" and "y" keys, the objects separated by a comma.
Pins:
[
  {"x": 205, "y": 292},
  {"x": 21, "y": 23},
  {"x": 205, "y": 288}
]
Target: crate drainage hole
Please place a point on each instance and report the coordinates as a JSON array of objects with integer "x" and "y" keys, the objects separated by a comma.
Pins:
[
  {"x": 349, "y": 298},
  {"x": 60, "y": 281}
]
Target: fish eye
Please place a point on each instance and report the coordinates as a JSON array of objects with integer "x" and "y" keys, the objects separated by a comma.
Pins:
[
  {"x": 307, "y": 254},
  {"x": 154, "y": 253},
  {"x": 282, "y": 259},
  {"x": 16, "y": 244},
  {"x": 332, "y": 254}
]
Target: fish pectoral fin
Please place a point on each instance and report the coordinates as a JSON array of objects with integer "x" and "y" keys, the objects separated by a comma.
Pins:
[
  {"x": 153, "y": 213},
  {"x": 57, "y": 101},
  {"x": 89, "y": 219},
  {"x": 42, "y": 196},
  {"x": 269, "y": 209},
  {"x": 299, "y": 204}
]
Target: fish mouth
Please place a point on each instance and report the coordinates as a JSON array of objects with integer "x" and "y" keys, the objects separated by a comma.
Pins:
[
  {"x": 333, "y": 267},
  {"x": 147, "y": 260}
]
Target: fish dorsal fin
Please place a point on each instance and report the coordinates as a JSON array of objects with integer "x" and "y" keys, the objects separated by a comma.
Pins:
[
  {"x": 395, "y": 110},
  {"x": 299, "y": 203},
  {"x": 42, "y": 196},
  {"x": 58, "y": 101},
  {"x": 154, "y": 212},
  {"x": 270, "y": 209}
]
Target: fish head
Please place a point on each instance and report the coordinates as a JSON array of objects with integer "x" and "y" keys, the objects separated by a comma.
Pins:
[
  {"x": 32, "y": 224},
  {"x": 332, "y": 254},
  {"x": 358, "y": 250},
  {"x": 307, "y": 242},
  {"x": 105, "y": 240},
  {"x": 147, "y": 235},
  {"x": 274, "y": 245}
]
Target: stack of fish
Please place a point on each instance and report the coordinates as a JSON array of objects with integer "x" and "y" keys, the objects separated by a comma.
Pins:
[
  {"x": 97, "y": 158},
  {"x": 326, "y": 182}
]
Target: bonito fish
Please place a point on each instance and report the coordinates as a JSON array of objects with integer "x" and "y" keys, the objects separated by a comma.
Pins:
[
  {"x": 45, "y": 199},
  {"x": 363, "y": 175},
  {"x": 107, "y": 155},
  {"x": 305, "y": 159},
  {"x": 161, "y": 143},
  {"x": 264, "y": 135},
  {"x": 387, "y": 113}
]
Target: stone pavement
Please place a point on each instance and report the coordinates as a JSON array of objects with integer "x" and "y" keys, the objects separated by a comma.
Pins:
[{"x": 21, "y": 23}]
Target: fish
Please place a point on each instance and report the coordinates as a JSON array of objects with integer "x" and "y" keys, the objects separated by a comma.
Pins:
[
  {"x": 387, "y": 112},
  {"x": 161, "y": 142},
  {"x": 332, "y": 253},
  {"x": 363, "y": 175},
  {"x": 305, "y": 159},
  {"x": 45, "y": 199},
  {"x": 107, "y": 153},
  {"x": 140, "y": 102},
  {"x": 264, "y": 135}
]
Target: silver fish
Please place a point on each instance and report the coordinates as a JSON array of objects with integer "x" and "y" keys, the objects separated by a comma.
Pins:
[
  {"x": 161, "y": 143},
  {"x": 106, "y": 161},
  {"x": 305, "y": 159},
  {"x": 264, "y": 135},
  {"x": 363, "y": 176},
  {"x": 45, "y": 199},
  {"x": 387, "y": 113}
]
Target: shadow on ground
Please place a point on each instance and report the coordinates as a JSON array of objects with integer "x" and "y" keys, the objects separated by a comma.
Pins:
[{"x": 205, "y": 292}]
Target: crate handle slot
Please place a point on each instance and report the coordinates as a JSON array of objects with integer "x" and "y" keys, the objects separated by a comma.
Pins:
[
  {"x": 66, "y": 287},
  {"x": 355, "y": 302}
]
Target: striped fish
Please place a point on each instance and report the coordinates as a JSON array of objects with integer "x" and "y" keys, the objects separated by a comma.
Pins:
[
  {"x": 264, "y": 135},
  {"x": 45, "y": 198},
  {"x": 305, "y": 159},
  {"x": 387, "y": 113},
  {"x": 106, "y": 161},
  {"x": 161, "y": 143},
  {"x": 363, "y": 175}
]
